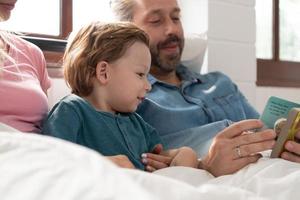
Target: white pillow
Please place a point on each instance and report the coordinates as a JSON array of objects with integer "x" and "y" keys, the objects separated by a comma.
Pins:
[{"x": 194, "y": 51}]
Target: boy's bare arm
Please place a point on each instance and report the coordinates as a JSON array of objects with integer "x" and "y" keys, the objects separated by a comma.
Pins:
[
  {"x": 121, "y": 161},
  {"x": 183, "y": 156}
]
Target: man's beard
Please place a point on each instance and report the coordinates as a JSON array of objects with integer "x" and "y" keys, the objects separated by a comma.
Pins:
[{"x": 166, "y": 63}]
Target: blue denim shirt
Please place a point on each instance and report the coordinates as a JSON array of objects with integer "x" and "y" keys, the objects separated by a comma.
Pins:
[{"x": 200, "y": 100}]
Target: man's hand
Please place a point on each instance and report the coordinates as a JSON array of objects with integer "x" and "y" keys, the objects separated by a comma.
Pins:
[
  {"x": 293, "y": 150},
  {"x": 121, "y": 161},
  {"x": 234, "y": 147}
]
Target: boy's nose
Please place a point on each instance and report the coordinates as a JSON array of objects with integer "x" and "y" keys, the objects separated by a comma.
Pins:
[{"x": 147, "y": 85}]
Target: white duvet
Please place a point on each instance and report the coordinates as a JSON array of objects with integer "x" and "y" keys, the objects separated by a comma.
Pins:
[{"x": 37, "y": 167}]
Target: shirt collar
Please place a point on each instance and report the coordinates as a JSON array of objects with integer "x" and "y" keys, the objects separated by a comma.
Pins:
[{"x": 184, "y": 73}]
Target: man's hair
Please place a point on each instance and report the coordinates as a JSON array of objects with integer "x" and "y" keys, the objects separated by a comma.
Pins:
[
  {"x": 94, "y": 43},
  {"x": 123, "y": 9}
]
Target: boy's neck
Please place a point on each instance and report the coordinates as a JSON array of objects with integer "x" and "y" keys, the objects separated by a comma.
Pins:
[{"x": 98, "y": 105}]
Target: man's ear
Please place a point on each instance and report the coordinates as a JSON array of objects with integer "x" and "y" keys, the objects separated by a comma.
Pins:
[{"x": 102, "y": 69}]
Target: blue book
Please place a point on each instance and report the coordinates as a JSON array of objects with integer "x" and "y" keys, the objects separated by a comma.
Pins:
[
  {"x": 275, "y": 109},
  {"x": 289, "y": 112}
]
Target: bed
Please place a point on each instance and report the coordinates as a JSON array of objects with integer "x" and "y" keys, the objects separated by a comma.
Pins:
[{"x": 35, "y": 167}]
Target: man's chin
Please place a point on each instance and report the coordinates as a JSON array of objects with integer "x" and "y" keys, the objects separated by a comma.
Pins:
[
  {"x": 170, "y": 64},
  {"x": 166, "y": 68},
  {"x": 166, "y": 63}
]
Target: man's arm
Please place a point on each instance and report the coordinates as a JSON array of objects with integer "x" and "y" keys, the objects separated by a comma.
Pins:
[{"x": 234, "y": 148}]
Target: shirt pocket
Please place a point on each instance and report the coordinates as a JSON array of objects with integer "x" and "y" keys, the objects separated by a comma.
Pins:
[{"x": 228, "y": 107}]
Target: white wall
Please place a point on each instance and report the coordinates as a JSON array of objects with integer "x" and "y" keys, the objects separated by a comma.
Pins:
[
  {"x": 231, "y": 42},
  {"x": 57, "y": 91},
  {"x": 231, "y": 49},
  {"x": 194, "y": 15}
]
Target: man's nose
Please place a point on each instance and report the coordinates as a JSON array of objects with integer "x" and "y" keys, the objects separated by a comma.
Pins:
[{"x": 171, "y": 27}]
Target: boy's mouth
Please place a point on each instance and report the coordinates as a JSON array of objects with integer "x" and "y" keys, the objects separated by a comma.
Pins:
[{"x": 141, "y": 98}]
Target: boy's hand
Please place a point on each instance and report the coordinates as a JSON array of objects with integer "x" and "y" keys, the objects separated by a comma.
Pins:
[
  {"x": 158, "y": 149},
  {"x": 155, "y": 160},
  {"x": 121, "y": 161}
]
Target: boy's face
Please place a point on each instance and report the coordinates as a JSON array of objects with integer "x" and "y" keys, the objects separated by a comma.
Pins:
[
  {"x": 160, "y": 19},
  {"x": 128, "y": 84}
]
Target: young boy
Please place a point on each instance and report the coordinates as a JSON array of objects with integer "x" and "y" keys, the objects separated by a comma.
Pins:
[{"x": 106, "y": 67}]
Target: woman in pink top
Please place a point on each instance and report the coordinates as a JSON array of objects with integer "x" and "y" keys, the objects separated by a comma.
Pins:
[{"x": 24, "y": 79}]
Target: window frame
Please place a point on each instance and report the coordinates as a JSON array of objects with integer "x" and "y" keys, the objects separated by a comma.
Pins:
[
  {"x": 275, "y": 72},
  {"x": 53, "y": 46}
]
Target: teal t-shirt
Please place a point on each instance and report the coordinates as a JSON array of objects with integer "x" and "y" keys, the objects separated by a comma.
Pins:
[{"x": 75, "y": 120}]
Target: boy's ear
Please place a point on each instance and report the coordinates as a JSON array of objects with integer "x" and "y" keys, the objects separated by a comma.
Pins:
[{"x": 102, "y": 71}]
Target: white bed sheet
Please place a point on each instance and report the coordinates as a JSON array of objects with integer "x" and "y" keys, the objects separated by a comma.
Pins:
[
  {"x": 267, "y": 179},
  {"x": 34, "y": 167},
  {"x": 38, "y": 167}
]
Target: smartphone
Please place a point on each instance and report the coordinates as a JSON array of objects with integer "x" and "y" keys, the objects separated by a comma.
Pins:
[{"x": 288, "y": 131}]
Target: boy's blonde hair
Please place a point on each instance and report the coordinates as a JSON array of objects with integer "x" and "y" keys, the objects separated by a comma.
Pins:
[
  {"x": 6, "y": 39},
  {"x": 94, "y": 43}
]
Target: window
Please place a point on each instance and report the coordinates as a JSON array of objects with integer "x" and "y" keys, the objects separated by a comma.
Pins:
[
  {"x": 289, "y": 30},
  {"x": 26, "y": 20},
  {"x": 50, "y": 20},
  {"x": 94, "y": 10},
  {"x": 48, "y": 27},
  {"x": 55, "y": 19},
  {"x": 278, "y": 43},
  {"x": 50, "y": 24}
]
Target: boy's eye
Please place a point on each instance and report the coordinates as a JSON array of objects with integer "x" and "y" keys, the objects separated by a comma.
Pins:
[{"x": 141, "y": 75}]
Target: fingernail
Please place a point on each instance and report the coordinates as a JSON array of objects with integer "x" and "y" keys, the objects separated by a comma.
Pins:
[
  {"x": 144, "y": 155},
  {"x": 144, "y": 160},
  {"x": 289, "y": 146},
  {"x": 149, "y": 168},
  {"x": 284, "y": 156},
  {"x": 273, "y": 143}
]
